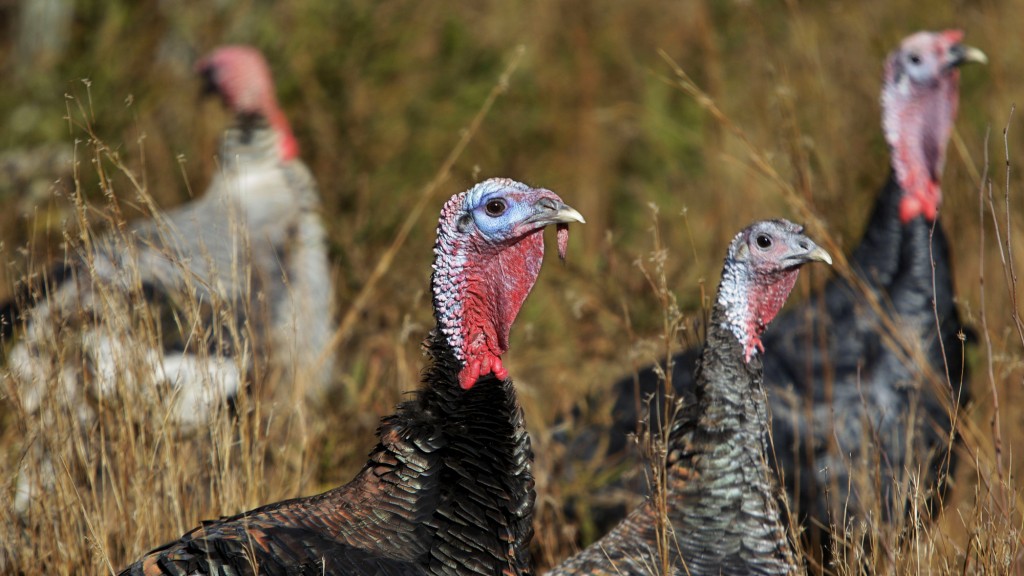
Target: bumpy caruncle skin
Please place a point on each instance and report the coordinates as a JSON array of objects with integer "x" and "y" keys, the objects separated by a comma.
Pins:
[
  {"x": 489, "y": 251},
  {"x": 760, "y": 271}
]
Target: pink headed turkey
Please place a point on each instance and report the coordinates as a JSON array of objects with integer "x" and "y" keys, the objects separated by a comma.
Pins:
[
  {"x": 760, "y": 270},
  {"x": 920, "y": 94},
  {"x": 489, "y": 251},
  {"x": 241, "y": 76}
]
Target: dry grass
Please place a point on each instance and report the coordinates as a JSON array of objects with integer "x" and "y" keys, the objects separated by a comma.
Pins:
[{"x": 379, "y": 92}]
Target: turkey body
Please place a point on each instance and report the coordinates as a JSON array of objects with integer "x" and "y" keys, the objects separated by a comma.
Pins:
[
  {"x": 415, "y": 508},
  {"x": 738, "y": 532},
  {"x": 226, "y": 280}
]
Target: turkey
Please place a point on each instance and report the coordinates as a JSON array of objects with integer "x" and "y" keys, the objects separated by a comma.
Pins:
[
  {"x": 449, "y": 488},
  {"x": 235, "y": 276},
  {"x": 721, "y": 496},
  {"x": 841, "y": 395}
]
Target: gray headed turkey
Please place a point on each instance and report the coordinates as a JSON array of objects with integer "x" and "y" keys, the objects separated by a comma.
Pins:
[
  {"x": 448, "y": 488},
  {"x": 722, "y": 517}
]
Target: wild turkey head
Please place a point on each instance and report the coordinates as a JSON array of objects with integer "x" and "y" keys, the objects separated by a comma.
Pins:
[
  {"x": 760, "y": 270},
  {"x": 489, "y": 250},
  {"x": 920, "y": 93},
  {"x": 241, "y": 77}
]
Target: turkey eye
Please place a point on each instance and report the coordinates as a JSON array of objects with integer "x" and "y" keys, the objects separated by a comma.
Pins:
[
  {"x": 495, "y": 207},
  {"x": 763, "y": 241},
  {"x": 915, "y": 59}
]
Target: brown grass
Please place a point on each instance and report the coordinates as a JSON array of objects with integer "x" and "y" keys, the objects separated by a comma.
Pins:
[{"x": 379, "y": 93}]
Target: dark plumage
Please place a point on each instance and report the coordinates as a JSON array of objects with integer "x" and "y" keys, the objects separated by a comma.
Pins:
[
  {"x": 448, "y": 490},
  {"x": 841, "y": 394},
  {"x": 721, "y": 497}
]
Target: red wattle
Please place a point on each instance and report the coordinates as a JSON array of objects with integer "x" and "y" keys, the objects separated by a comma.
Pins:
[
  {"x": 766, "y": 298},
  {"x": 754, "y": 344},
  {"x": 289, "y": 146},
  {"x": 924, "y": 203},
  {"x": 495, "y": 291},
  {"x": 500, "y": 372},
  {"x": 910, "y": 207},
  {"x": 469, "y": 375},
  {"x": 479, "y": 367}
]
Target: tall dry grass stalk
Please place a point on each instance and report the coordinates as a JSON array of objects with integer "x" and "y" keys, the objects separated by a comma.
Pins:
[{"x": 654, "y": 434}]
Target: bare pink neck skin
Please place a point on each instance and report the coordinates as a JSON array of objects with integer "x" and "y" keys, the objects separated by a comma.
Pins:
[
  {"x": 767, "y": 298},
  {"x": 752, "y": 302},
  {"x": 917, "y": 128},
  {"x": 481, "y": 290},
  {"x": 288, "y": 146}
]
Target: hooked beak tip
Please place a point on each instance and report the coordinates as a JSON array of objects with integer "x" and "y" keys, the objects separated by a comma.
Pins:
[
  {"x": 819, "y": 254},
  {"x": 551, "y": 211},
  {"x": 569, "y": 214},
  {"x": 965, "y": 54}
]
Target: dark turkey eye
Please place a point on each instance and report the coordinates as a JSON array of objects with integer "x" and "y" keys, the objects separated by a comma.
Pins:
[
  {"x": 495, "y": 207},
  {"x": 915, "y": 59},
  {"x": 764, "y": 241}
]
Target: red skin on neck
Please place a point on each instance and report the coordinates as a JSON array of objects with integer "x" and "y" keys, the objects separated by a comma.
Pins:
[
  {"x": 918, "y": 120},
  {"x": 288, "y": 146},
  {"x": 766, "y": 298},
  {"x": 495, "y": 290},
  {"x": 243, "y": 80},
  {"x": 919, "y": 154},
  {"x": 920, "y": 197}
]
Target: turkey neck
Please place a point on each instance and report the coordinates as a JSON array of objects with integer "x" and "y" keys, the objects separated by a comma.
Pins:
[
  {"x": 925, "y": 277},
  {"x": 728, "y": 418},
  {"x": 917, "y": 122},
  {"x": 274, "y": 121},
  {"x": 449, "y": 485},
  {"x": 265, "y": 189},
  {"x": 250, "y": 139},
  {"x": 717, "y": 464},
  {"x": 876, "y": 257},
  {"x": 728, "y": 387},
  {"x": 482, "y": 521},
  {"x": 911, "y": 291}
]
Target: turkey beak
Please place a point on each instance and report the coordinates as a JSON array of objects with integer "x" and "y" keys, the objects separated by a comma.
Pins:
[
  {"x": 810, "y": 252},
  {"x": 553, "y": 211},
  {"x": 817, "y": 254},
  {"x": 962, "y": 54},
  {"x": 550, "y": 211}
]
